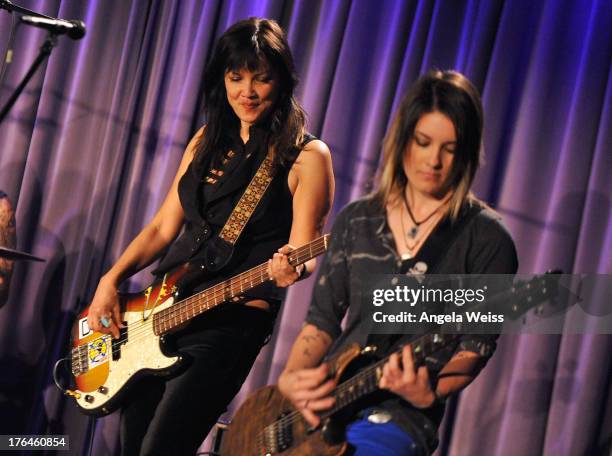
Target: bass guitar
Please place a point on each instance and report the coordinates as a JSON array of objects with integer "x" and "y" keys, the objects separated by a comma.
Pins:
[
  {"x": 103, "y": 368},
  {"x": 267, "y": 424}
]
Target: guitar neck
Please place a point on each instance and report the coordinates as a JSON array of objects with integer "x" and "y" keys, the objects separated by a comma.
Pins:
[
  {"x": 169, "y": 319},
  {"x": 366, "y": 381}
]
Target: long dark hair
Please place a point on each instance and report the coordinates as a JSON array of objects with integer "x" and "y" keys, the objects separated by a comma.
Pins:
[
  {"x": 251, "y": 44},
  {"x": 452, "y": 94}
]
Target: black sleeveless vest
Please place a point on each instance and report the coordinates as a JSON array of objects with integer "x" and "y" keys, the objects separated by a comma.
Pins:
[{"x": 208, "y": 206}]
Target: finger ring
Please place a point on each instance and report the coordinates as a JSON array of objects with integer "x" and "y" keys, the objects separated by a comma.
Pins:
[{"x": 105, "y": 321}]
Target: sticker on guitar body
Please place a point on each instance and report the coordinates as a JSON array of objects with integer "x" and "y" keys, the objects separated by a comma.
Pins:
[{"x": 97, "y": 351}]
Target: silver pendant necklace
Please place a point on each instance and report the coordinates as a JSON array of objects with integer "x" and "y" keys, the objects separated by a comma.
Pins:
[{"x": 408, "y": 255}]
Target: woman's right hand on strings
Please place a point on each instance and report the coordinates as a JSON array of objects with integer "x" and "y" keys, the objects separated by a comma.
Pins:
[
  {"x": 105, "y": 304},
  {"x": 309, "y": 391}
]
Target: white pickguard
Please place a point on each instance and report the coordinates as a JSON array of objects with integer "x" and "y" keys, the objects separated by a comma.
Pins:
[{"x": 141, "y": 351}]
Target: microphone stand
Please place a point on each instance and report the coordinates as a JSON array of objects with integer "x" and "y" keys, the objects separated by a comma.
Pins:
[{"x": 43, "y": 53}]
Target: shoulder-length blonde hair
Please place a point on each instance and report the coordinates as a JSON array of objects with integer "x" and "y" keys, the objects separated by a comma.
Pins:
[{"x": 452, "y": 94}]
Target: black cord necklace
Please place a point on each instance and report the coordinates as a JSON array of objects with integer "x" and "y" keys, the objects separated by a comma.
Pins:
[{"x": 412, "y": 232}]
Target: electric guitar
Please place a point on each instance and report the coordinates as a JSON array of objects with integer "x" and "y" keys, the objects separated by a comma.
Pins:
[
  {"x": 267, "y": 424},
  {"x": 103, "y": 368}
]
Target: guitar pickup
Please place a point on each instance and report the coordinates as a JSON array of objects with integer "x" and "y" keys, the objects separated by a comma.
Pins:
[
  {"x": 117, "y": 343},
  {"x": 278, "y": 438}
]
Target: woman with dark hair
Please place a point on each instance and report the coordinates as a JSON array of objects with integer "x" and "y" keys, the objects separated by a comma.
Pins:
[
  {"x": 421, "y": 219},
  {"x": 251, "y": 114}
]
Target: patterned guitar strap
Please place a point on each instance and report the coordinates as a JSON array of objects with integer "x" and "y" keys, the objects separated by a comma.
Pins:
[{"x": 218, "y": 256}]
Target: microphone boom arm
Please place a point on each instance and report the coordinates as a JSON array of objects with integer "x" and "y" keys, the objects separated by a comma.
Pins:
[
  {"x": 43, "y": 53},
  {"x": 10, "y": 7}
]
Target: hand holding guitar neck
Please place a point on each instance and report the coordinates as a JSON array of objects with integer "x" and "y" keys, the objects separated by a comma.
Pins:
[
  {"x": 281, "y": 271},
  {"x": 407, "y": 380}
]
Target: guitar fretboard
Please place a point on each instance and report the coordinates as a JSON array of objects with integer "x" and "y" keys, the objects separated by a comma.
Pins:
[
  {"x": 183, "y": 311},
  {"x": 366, "y": 381}
]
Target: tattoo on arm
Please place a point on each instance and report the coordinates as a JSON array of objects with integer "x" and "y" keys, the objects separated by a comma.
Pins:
[
  {"x": 313, "y": 344},
  {"x": 320, "y": 336},
  {"x": 308, "y": 338}
]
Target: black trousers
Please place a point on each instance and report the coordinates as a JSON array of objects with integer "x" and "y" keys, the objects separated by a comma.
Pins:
[{"x": 173, "y": 417}]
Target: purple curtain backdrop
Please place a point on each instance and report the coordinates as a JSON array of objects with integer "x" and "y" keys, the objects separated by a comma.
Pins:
[{"x": 91, "y": 147}]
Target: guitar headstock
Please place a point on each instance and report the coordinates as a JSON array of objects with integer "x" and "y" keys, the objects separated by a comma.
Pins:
[{"x": 539, "y": 293}]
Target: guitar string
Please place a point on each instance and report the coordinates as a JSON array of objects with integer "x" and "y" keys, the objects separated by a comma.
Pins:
[
  {"x": 219, "y": 294},
  {"x": 175, "y": 315}
]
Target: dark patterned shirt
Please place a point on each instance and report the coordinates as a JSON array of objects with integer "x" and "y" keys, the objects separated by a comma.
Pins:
[{"x": 362, "y": 244}]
